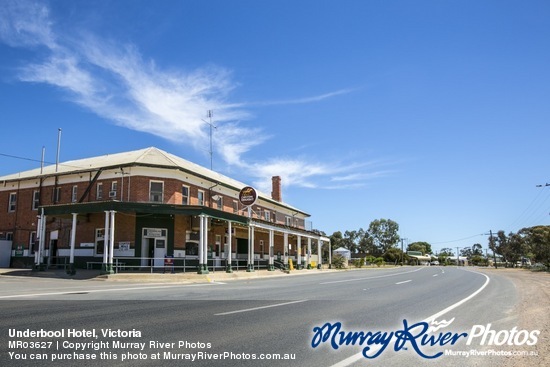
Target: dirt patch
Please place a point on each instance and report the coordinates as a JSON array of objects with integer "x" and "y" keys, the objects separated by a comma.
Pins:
[{"x": 533, "y": 311}]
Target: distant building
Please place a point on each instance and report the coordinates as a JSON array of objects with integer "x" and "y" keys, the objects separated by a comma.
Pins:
[
  {"x": 145, "y": 205},
  {"x": 419, "y": 258}
]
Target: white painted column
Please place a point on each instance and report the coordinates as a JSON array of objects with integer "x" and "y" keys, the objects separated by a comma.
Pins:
[
  {"x": 71, "y": 270},
  {"x": 308, "y": 252},
  {"x": 41, "y": 238},
  {"x": 111, "y": 239},
  {"x": 229, "y": 250},
  {"x": 201, "y": 243},
  {"x": 205, "y": 242},
  {"x": 319, "y": 254},
  {"x": 271, "y": 248},
  {"x": 106, "y": 241},
  {"x": 285, "y": 248},
  {"x": 250, "y": 265},
  {"x": 299, "y": 250}
]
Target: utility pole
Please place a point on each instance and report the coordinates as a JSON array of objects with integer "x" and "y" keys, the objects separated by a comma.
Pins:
[{"x": 494, "y": 252}]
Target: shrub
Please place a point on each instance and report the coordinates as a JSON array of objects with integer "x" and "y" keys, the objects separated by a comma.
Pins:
[{"x": 339, "y": 262}]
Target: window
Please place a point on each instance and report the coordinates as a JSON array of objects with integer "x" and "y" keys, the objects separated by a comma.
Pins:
[
  {"x": 35, "y": 200},
  {"x": 185, "y": 195},
  {"x": 56, "y": 194},
  {"x": 9, "y": 236},
  {"x": 99, "y": 241},
  {"x": 191, "y": 248},
  {"x": 114, "y": 187},
  {"x": 99, "y": 191},
  {"x": 267, "y": 215},
  {"x": 156, "y": 191},
  {"x": 74, "y": 196},
  {"x": 12, "y": 202},
  {"x": 32, "y": 243},
  {"x": 235, "y": 206},
  {"x": 200, "y": 197},
  {"x": 288, "y": 221},
  {"x": 274, "y": 217},
  {"x": 219, "y": 201}
]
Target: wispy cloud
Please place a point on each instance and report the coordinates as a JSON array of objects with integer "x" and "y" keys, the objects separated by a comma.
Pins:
[
  {"x": 303, "y": 100},
  {"x": 26, "y": 24},
  {"x": 117, "y": 83}
]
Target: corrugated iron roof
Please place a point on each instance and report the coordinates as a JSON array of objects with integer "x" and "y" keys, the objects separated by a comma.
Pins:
[{"x": 151, "y": 156}]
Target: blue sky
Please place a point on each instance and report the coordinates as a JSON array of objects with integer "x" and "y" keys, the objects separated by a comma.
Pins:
[{"x": 434, "y": 114}]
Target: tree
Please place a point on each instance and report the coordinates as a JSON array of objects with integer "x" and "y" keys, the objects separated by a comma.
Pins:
[
  {"x": 444, "y": 254},
  {"x": 477, "y": 250},
  {"x": 511, "y": 247},
  {"x": 336, "y": 241},
  {"x": 423, "y": 247},
  {"x": 537, "y": 240},
  {"x": 384, "y": 233},
  {"x": 393, "y": 255}
]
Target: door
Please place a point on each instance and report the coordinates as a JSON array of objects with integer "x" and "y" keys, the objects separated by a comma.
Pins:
[{"x": 160, "y": 251}]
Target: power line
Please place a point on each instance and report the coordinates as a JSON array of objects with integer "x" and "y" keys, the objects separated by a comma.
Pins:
[
  {"x": 460, "y": 239},
  {"x": 37, "y": 160},
  {"x": 531, "y": 214},
  {"x": 22, "y": 158}
]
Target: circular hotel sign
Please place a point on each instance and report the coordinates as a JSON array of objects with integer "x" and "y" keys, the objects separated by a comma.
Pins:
[{"x": 248, "y": 196}]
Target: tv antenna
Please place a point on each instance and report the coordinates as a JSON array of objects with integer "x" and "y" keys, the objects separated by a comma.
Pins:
[{"x": 209, "y": 115}]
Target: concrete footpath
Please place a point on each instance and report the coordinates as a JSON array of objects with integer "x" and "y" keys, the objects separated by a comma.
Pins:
[{"x": 187, "y": 277}]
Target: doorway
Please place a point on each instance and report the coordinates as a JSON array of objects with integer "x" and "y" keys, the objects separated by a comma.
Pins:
[{"x": 153, "y": 249}]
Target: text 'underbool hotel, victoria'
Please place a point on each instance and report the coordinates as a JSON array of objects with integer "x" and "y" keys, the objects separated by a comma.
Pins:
[{"x": 148, "y": 209}]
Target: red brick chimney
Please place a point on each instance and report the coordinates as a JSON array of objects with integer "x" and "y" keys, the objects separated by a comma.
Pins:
[{"x": 276, "y": 188}]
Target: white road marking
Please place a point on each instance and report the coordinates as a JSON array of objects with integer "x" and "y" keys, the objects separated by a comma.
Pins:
[
  {"x": 68, "y": 291},
  {"x": 405, "y": 281},
  {"x": 258, "y": 308},
  {"x": 368, "y": 278},
  {"x": 373, "y": 349}
]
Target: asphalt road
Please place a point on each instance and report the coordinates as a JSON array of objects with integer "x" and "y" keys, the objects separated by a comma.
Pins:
[{"x": 240, "y": 320}]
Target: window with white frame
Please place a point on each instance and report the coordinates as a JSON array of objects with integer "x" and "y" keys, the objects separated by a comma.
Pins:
[
  {"x": 200, "y": 197},
  {"x": 74, "y": 194},
  {"x": 12, "y": 202},
  {"x": 288, "y": 221},
  {"x": 156, "y": 190},
  {"x": 35, "y": 200},
  {"x": 267, "y": 215},
  {"x": 114, "y": 188},
  {"x": 185, "y": 195},
  {"x": 235, "y": 206}
]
